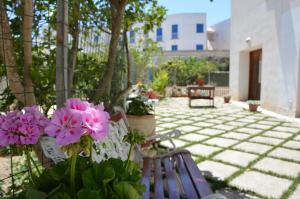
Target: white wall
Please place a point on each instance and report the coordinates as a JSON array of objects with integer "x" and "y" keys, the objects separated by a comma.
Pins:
[
  {"x": 187, "y": 36},
  {"x": 272, "y": 25},
  {"x": 220, "y": 36}
]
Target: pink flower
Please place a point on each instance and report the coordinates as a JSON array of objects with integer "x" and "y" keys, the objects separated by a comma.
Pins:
[
  {"x": 77, "y": 104},
  {"x": 66, "y": 126},
  {"x": 21, "y": 128},
  {"x": 96, "y": 121}
]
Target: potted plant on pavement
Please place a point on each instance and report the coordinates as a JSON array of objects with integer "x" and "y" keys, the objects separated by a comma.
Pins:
[
  {"x": 253, "y": 105},
  {"x": 227, "y": 99},
  {"x": 140, "y": 116}
]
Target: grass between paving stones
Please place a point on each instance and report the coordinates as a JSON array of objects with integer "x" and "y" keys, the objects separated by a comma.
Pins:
[{"x": 224, "y": 183}]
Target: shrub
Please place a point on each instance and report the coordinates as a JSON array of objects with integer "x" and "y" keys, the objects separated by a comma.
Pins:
[{"x": 160, "y": 82}]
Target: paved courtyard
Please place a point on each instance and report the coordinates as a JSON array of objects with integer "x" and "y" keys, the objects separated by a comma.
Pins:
[{"x": 253, "y": 152}]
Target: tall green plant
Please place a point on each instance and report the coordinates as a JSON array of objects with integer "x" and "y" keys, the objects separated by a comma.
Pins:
[{"x": 160, "y": 82}]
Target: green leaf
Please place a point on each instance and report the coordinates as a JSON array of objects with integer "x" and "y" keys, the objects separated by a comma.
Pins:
[
  {"x": 60, "y": 195},
  {"x": 126, "y": 191},
  {"x": 32, "y": 193},
  {"x": 88, "y": 194}
]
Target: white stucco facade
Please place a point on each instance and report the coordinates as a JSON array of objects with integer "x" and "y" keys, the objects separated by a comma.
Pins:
[
  {"x": 218, "y": 36},
  {"x": 187, "y": 35},
  {"x": 273, "y": 26}
]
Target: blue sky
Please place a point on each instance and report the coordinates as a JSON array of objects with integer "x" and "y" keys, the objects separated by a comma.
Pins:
[{"x": 217, "y": 10}]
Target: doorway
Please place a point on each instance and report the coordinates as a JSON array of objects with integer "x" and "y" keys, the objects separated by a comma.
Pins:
[{"x": 255, "y": 74}]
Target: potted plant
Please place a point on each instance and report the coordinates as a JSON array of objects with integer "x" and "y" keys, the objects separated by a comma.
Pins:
[
  {"x": 253, "y": 105},
  {"x": 74, "y": 129},
  {"x": 140, "y": 116},
  {"x": 227, "y": 99},
  {"x": 201, "y": 82}
]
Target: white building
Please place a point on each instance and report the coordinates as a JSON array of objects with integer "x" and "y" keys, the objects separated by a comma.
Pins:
[
  {"x": 218, "y": 36},
  {"x": 179, "y": 32},
  {"x": 265, "y": 55}
]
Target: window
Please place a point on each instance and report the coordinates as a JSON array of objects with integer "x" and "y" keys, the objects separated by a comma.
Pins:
[
  {"x": 199, "y": 28},
  {"x": 174, "y": 47},
  {"x": 199, "y": 47},
  {"x": 132, "y": 36},
  {"x": 96, "y": 39},
  {"x": 159, "y": 33},
  {"x": 174, "y": 31}
]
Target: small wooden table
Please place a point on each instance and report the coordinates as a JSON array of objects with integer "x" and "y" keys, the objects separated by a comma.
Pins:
[
  {"x": 205, "y": 92},
  {"x": 174, "y": 176}
]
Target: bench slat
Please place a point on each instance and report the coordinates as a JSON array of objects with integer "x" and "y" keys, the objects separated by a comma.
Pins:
[
  {"x": 147, "y": 163},
  {"x": 186, "y": 181},
  {"x": 158, "y": 181},
  {"x": 199, "y": 181},
  {"x": 173, "y": 190}
]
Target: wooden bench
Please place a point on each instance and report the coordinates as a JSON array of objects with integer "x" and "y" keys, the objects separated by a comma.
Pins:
[
  {"x": 175, "y": 176},
  {"x": 201, "y": 92}
]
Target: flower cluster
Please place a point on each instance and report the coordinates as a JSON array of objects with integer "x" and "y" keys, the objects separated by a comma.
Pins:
[
  {"x": 77, "y": 119},
  {"x": 22, "y": 127}
]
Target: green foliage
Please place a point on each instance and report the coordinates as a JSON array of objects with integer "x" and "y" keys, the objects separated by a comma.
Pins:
[
  {"x": 188, "y": 70},
  {"x": 134, "y": 137},
  {"x": 138, "y": 107},
  {"x": 108, "y": 179},
  {"x": 254, "y": 102},
  {"x": 160, "y": 82}
]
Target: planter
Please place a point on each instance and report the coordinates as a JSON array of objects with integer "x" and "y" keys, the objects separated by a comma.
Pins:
[
  {"x": 144, "y": 123},
  {"x": 253, "y": 107},
  {"x": 201, "y": 82},
  {"x": 227, "y": 99}
]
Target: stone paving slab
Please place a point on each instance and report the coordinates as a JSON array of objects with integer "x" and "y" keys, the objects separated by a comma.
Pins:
[
  {"x": 221, "y": 142},
  {"x": 270, "y": 186},
  {"x": 277, "y": 134},
  {"x": 268, "y": 123},
  {"x": 278, "y": 166},
  {"x": 213, "y": 169},
  {"x": 188, "y": 128},
  {"x": 260, "y": 126},
  {"x": 246, "y": 120},
  {"x": 178, "y": 143},
  {"x": 286, "y": 154},
  {"x": 184, "y": 121},
  {"x": 297, "y": 138},
  {"x": 253, "y": 147},
  {"x": 202, "y": 150},
  {"x": 224, "y": 127},
  {"x": 193, "y": 137},
  {"x": 235, "y": 157},
  {"x": 167, "y": 119},
  {"x": 168, "y": 125},
  {"x": 287, "y": 129},
  {"x": 234, "y": 135},
  {"x": 236, "y": 124},
  {"x": 251, "y": 131},
  {"x": 266, "y": 140},
  {"x": 210, "y": 131},
  {"x": 296, "y": 194},
  {"x": 292, "y": 144},
  {"x": 203, "y": 124}
]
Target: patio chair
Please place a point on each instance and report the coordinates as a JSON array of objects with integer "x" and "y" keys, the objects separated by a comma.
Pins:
[{"x": 175, "y": 174}]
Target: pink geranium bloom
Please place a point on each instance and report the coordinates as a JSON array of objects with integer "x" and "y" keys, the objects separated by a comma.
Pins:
[
  {"x": 77, "y": 104},
  {"x": 21, "y": 128},
  {"x": 96, "y": 121},
  {"x": 66, "y": 126}
]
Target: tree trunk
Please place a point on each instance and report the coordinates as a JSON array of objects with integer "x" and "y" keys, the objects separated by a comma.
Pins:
[
  {"x": 27, "y": 47},
  {"x": 75, "y": 43},
  {"x": 117, "y": 12},
  {"x": 8, "y": 56},
  {"x": 129, "y": 85}
]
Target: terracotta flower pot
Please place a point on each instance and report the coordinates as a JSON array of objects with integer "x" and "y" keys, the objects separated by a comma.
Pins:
[
  {"x": 227, "y": 99},
  {"x": 201, "y": 82},
  {"x": 253, "y": 107},
  {"x": 144, "y": 123}
]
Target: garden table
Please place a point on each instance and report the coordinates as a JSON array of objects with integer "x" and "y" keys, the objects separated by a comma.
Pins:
[{"x": 201, "y": 92}]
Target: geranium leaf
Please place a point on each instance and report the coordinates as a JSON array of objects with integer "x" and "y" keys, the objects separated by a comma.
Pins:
[
  {"x": 32, "y": 193},
  {"x": 88, "y": 194},
  {"x": 126, "y": 191}
]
